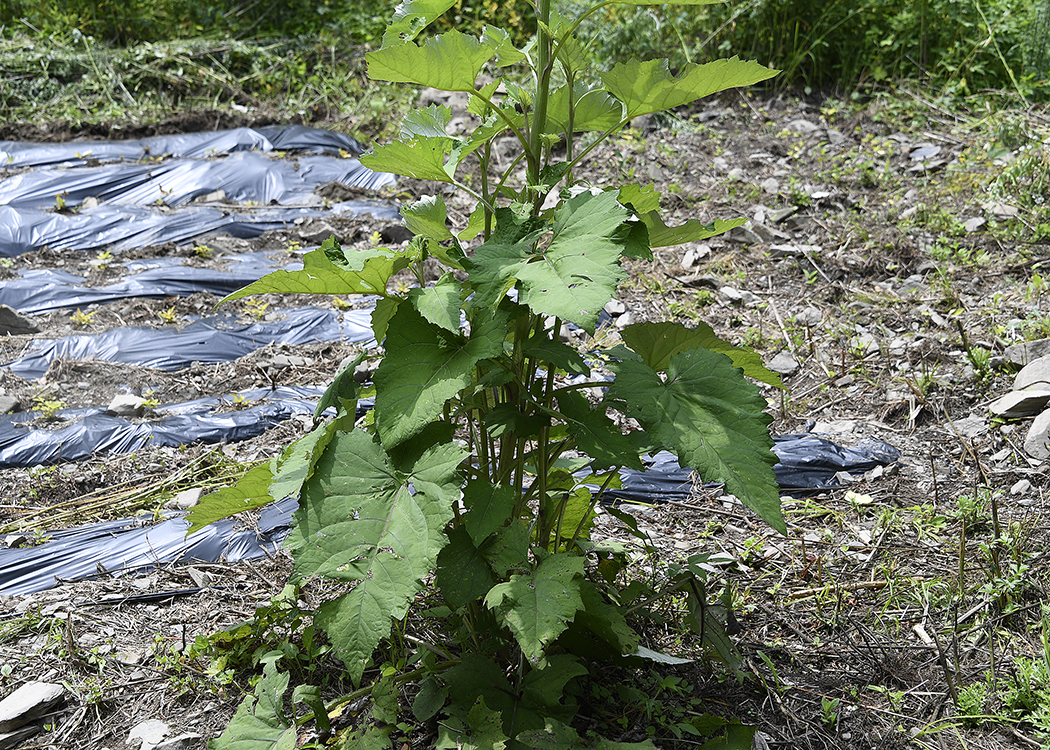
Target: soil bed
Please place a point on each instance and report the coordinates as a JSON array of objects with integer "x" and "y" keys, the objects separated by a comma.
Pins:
[{"x": 859, "y": 629}]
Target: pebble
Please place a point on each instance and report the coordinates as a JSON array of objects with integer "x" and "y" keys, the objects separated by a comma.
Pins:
[
  {"x": 1020, "y": 487},
  {"x": 1037, "y": 443}
]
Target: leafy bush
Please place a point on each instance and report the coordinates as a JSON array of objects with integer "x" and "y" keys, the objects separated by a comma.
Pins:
[
  {"x": 125, "y": 22},
  {"x": 482, "y": 466},
  {"x": 960, "y": 47}
]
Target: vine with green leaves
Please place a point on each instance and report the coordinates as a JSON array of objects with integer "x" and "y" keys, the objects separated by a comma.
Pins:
[{"x": 466, "y": 497}]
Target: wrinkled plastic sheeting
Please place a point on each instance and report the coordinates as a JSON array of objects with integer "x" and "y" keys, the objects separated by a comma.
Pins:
[
  {"x": 93, "y": 431},
  {"x": 245, "y": 177},
  {"x": 42, "y": 290},
  {"x": 17, "y": 154},
  {"x": 212, "y": 339},
  {"x": 810, "y": 463},
  {"x": 119, "y": 228},
  {"x": 807, "y": 464},
  {"x": 126, "y": 545}
]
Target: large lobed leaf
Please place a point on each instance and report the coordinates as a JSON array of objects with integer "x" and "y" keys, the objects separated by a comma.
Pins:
[
  {"x": 708, "y": 414},
  {"x": 649, "y": 86},
  {"x": 319, "y": 275},
  {"x": 656, "y": 343},
  {"x": 423, "y": 157},
  {"x": 251, "y": 491},
  {"x": 538, "y": 607},
  {"x": 450, "y": 62},
  {"x": 361, "y": 519},
  {"x": 260, "y": 723},
  {"x": 411, "y": 17},
  {"x": 425, "y": 365},
  {"x": 573, "y": 277}
]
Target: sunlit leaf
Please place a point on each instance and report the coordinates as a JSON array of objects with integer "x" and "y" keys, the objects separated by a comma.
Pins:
[
  {"x": 450, "y": 62},
  {"x": 649, "y": 86},
  {"x": 538, "y": 607},
  {"x": 657, "y": 342},
  {"x": 711, "y": 417}
]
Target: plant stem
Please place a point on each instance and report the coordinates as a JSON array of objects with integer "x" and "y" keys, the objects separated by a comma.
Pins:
[{"x": 539, "y": 111}]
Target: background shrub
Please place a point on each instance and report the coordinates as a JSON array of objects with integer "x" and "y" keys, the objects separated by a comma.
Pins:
[{"x": 957, "y": 46}]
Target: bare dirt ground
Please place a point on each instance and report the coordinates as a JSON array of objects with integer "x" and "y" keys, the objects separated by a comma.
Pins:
[{"x": 866, "y": 627}]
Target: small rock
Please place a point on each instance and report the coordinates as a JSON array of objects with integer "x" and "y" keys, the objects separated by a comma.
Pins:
[
  {"x": 28, "y": 702},
  {"x": 809, "y": 316},
  {"x": 974, "y": 223},
  {"x": 777, "y": 215},
  {"x": 777, "y": 251},
  {"x": 769, "y": 234},
  {"x": 281, "y": 361},
  {"x": 737, "y": 174},
  {"x": 1019, "y": 404},
  {"x": 1020, "y": 487},
  {"x": 844, "y": 382},
  {"x": 624, "y": 320},
  {"x": 9, "y": 405},
  {"x": 969, "y": 427},
  {"x": 783, "y": 363},
  {"x": 925, "y": 152},
  {"x": 912, "y": 285},
  {"x": 836, "y": 137},
  {"x": 126, "y": 405},
  {"x": 316, "y": 231},
  {"x": 1037, "y": 444},
  {"x": 14, "y": 323},
  {"x": 694, "y": 254},
  {"x": 1028, "y": 351},
  {"x": 802, "y": 126},
  {"x": 185, "y": 499},
  {"x": 838, "y": 427},
  {"x": 705, "y": 280},
  {"x": 614, "y": 307},
  {"x": 1035, "y": 373},
  {"x": 770, "y": 185},
  {"x": 740, "y": 295},
  {"x": 148, "y": 734},
  {"x": 743, "y": 234},
  {"x": 1001, "y": 211}
]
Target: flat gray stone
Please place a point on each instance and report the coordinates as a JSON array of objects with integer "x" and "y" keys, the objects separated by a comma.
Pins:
[
  {"x": 1020, "y": 487},
  {"x": 9, "y": 405},
  {"x": 809, "y": 316},
  {"x": 1018, "y": 404},
  {"x": 783, "y": 363},
  {"x": 1035, "y": 373},
  {"x": 148, "y": 734},
  {"x": 969, "y": 427},
  {"x": 126, "y": 405},
  {"x": 28, "y": 702},
  {"x": 15, "y": 323},
  {"x": 802, "y": 126},
  {"x": 185, "y": 499},
  {"x": 1037, "y": 444},
  {"x": 1027, "y": 351}
]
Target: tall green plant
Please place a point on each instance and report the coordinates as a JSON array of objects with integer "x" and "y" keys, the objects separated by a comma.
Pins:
[{"x": 461, "y": 476}]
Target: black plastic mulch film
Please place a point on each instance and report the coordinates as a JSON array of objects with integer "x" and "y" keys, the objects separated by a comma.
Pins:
[{"x": 134, "y": 178}]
